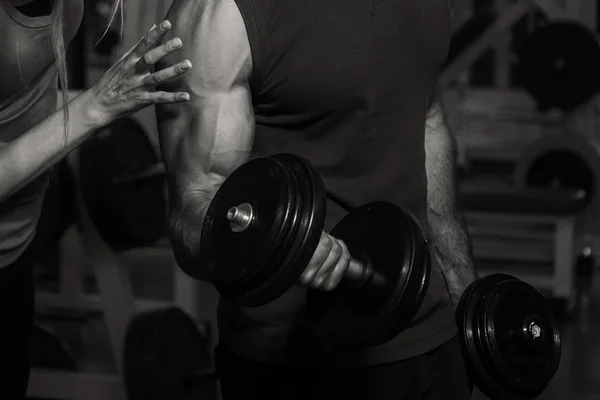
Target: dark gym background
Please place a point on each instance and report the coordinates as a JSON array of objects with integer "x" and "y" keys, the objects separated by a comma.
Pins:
[{"x": 509, "y": 140}]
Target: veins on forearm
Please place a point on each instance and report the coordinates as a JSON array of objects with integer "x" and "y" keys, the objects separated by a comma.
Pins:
[
  {"x": 452, "y": 247},
  {"x": 450, "y": 240},
  {"x": 188, "y": 210}
]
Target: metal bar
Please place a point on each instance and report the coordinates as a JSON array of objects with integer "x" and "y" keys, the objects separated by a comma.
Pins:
[
  {"x": 564, "y": 256},
  {"x": 340, "y": 201},
  {"x": 490, "y": 37},
  {"x": 59, "y": 385},
  {"x": 551, "y": 9},
  {"x": 91, "y": 302}
]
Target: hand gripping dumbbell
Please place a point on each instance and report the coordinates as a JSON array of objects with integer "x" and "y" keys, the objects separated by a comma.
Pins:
[{"x": 263, "y": 227}]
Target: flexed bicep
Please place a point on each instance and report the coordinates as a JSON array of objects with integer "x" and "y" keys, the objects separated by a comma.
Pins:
[{"x": 205, "y": 139}]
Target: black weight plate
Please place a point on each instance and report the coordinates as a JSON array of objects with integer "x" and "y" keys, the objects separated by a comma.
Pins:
[
  {"x": 521, "y": 338},
  {"x": 58, "y": 211},
  {"x": 490, "y": 315},
  {"x": 417, "y": 284},
  {"x": 348, "y": 316},
  {"x": 234, "y": 258},
  {"x": 468, "y": 313},
  {"x": 49, "y": 351},
  {"x": 256, "y": 291},
  {"x": 559, "y": 65},
  {"x": 304, "y": 239},
  {"x": 312, "y": 217},
  {"x": 126, "y": 216},
  {"x": 163, "y": 355}
]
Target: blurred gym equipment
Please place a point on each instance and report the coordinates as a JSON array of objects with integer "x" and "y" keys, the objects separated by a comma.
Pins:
[
  {"x": 563, "y": 162},
  {"x": 559, "y": 65},
  {"x": 83, "y": 247},
  {"x": 126, "y": 216}
]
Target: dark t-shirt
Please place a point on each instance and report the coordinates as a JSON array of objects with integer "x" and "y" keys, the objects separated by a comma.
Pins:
[{"x": 345, "y": 84}]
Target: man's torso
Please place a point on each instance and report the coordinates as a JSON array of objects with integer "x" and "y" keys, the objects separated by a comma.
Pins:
[{"x": 345, "y": 84}]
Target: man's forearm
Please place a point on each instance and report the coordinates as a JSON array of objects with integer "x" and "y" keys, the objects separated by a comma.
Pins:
[
  {"x": 205, "y": 139},
  {"x": 185, "y": 227},
  {"x": 195, "y": 171},
  {"x": 188, "y": 198},
  {"x": 186, "y": 221},
  {"x": 451, "y": 244}
]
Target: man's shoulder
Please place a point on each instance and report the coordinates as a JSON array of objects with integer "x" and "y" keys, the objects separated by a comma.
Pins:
[
  {"x": 193, "y": 14},
  {"x": 213, "y": 32}
]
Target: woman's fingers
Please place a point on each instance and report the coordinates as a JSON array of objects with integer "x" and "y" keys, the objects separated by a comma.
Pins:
[
  {"x": 158, "y": 53},
  {"x": 130, "y": 84},
  {"x": 159, "y": 77},
  {"x": 167, "y": 97},
  {"x": 151, "y": 39}
]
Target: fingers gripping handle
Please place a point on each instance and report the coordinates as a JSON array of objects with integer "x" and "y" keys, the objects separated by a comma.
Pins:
[
  {"x": 359, "y": 271},
  {"x": 240, "y": 218}
]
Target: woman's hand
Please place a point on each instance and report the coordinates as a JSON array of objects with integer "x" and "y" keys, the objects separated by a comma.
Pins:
[{"x": 129, "y": 85}]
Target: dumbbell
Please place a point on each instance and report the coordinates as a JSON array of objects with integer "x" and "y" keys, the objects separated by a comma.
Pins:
[
  {"x": 510, "y": 338},
  {"x": 263, "y": 226}
]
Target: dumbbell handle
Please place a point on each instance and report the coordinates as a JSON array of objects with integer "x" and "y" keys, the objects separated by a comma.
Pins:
[
  {"x": 359, "y": 272},
  {"x": 241, "y": 216}
]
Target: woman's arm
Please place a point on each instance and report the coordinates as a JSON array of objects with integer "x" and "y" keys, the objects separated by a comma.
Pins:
[
  {"x": 28, "y": 156},
  {"x": 126, "y": 87}
]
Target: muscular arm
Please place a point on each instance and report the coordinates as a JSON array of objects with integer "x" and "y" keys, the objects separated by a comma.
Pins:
[
  {"x": 205, "y": 139},
  {"x": 450, "y": 238}
]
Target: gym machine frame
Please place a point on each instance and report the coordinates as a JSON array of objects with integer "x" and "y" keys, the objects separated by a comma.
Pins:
[
  {"x": 558, "y": 277},
  {"x": 70, "y": 293},
  {"x": 494, "y": 38},
  {"x": 487, "y": 228},
  {"x": 581, "y": 10},
  {"x": 115, "y": 299}
]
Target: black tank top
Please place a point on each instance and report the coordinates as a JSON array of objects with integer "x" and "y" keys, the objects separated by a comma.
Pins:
[
  {"x": 345, "y": 84},
  {"x": 28, "y": 94}
]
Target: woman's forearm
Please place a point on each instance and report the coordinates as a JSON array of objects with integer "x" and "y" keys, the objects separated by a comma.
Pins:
[
  {"x": 126, "y": 87},
  {"x": 35, "y": 151}
]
